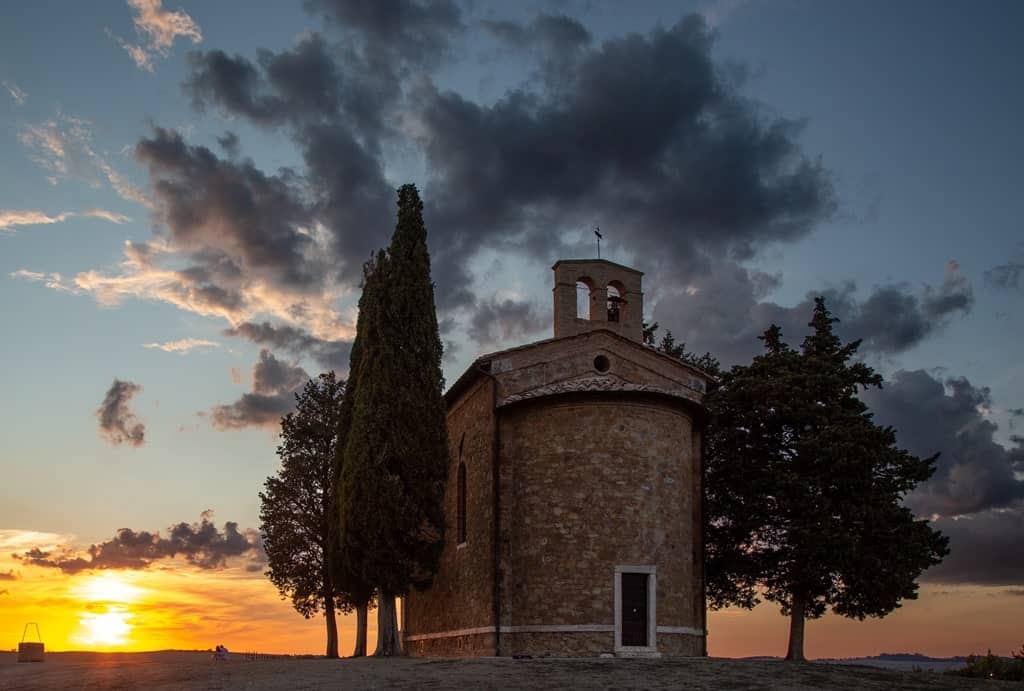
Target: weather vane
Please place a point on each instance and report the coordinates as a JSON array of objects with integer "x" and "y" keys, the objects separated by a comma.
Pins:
[{"x": 597, "y": 232}]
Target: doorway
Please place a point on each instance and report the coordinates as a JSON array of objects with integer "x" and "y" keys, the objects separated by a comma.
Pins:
[{"x": 635, "y": 619}]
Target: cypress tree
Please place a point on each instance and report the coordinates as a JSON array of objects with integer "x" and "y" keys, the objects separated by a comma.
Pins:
[
  {"x": 396, "y": 454},
  {"x": 344, "y": 560},
  {"x": 803, "y": 491}
]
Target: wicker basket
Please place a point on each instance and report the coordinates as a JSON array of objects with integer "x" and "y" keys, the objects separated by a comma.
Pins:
[{"x": 29, "y": 651}]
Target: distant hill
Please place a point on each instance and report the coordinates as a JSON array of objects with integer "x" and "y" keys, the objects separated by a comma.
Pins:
[{"x": 904, "y": 662}]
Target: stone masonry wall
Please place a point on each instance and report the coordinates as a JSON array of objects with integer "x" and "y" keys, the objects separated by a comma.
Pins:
[
  {"x": 588, "y": 483},
  {"x": 462, "y": 595}
]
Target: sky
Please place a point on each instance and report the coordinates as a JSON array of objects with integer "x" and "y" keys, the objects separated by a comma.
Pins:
[{"x": 188, "y": 192}]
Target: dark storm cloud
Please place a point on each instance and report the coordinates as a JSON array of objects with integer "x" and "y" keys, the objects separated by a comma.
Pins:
[
  {"x": 1016, "y": 454},
  {"x": 1006, "y": 276},
  {"x": 954, "y": 295},
  {"x": 233, "y": 82},
  {"x": 555, "y": 41},
  {"x": 118, "y": 423},
  {"x": 353, "y": 200},
  {"x": 229, "y": 213},
  {"x": 496, "y": 321},
  {"x": 557, "y": 31},
  {"x": 329, "y": 354},
  {"x": 974, "y": 473},
  {"x": 986, "y": 548},
  {"x": 336, "y": 111},
  {"x": 272, "y": 396},
  {"x": 229, "y": 142},
  {"x": 297, "y": 85},
  {"x": 417, "y": 32},
  {"x": 646, "y": 135},
  {"x": 201, "y": 544},
  {"x": 642, "y": 132},
  {"x": 724, "y": 312}
]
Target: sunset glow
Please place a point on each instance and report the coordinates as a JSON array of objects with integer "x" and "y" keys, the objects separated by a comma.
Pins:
[
  {"x": 106, "y": 630},
  {"x": 107, "y": 622},
  {"x": 109, "y": 588}
]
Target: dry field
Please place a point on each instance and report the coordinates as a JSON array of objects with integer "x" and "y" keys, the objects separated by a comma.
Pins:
[{"x": 174, "y": 670}]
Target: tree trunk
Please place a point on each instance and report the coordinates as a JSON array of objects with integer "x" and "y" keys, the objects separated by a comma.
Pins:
[
  {"x": 360, "y": 649},
  {"x": 796, "y": 630},
  {"x": 388, "y": 644},
  {"x": 332, "y": 628}
]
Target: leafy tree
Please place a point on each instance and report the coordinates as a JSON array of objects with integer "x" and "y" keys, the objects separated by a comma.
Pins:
[
  {"x": 706, "y": 362},
  {"x": 396, "y": 454},
  {"x": 803, "y": 491},
  {"x": 295, "y": 508}
]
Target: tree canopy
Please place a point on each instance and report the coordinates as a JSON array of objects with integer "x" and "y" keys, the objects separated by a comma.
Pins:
[
  {"x": 396, "y": 454},
  {"x": 706, "y": 362},
  {"x": 803, "y": 491},
  {"x": 295, "y": 506}
]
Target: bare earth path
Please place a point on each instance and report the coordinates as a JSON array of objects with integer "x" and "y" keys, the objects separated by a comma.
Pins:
[{"x": 173, "y": 670}]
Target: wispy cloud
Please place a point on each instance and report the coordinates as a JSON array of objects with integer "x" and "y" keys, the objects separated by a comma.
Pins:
[
  {"x": 105, "y": 215},
  {"x": 145, "y": 274},
  {"x": 142, "y": 59},
  {"x": 717, "y": 12},
  {"x": 63, "y": 147},
  {"x": 1006, "y": 276},
  {"x": 57, "y": 146},
  {"x": 52, "y": 280},
  {"x": 12, "y": 540},
  {"x": 183, "y": 345},
  {"x": 122, "y": 187},
  {"x": 16, "y": 92},
  {"x": 10, "y": 218},
  {"x": 157, "y": 29}
]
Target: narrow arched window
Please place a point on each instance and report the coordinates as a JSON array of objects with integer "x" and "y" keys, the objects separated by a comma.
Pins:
[
  {"x": 461, "y": 521},
  {"x": 584, "y": 286}
]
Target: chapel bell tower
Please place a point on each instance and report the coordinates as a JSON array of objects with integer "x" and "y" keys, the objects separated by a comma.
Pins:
[{"x": 615, "y": 300}]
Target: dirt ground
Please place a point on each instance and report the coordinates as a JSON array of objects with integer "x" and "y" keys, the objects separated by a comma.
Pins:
[{"x": 177, "y": 670}]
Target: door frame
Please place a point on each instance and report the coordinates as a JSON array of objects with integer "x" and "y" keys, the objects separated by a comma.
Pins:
[{"x": 651, "y": 649}]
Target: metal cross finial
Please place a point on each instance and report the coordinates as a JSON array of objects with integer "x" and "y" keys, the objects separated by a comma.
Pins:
[{"x": 597, "y": 232}]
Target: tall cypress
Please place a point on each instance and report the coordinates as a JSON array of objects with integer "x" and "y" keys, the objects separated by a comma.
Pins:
[
  {"x": 396, "y": 453},
  {"x": 344, "y": 559}
]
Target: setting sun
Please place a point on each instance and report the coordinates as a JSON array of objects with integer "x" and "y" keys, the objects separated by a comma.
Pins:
[
  {"x": 110, "y": 628},
  {"x": 106, "y": 598}
]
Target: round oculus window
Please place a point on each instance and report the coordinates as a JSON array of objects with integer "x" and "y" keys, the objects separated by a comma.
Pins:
[{"x": 601, "y": 364}]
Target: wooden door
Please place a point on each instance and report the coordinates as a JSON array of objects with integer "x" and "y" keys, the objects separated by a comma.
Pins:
[{"x": 634, "y": 609}]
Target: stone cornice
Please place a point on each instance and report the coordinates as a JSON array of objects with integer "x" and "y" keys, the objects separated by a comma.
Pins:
[{"x": 599, "y": 384}]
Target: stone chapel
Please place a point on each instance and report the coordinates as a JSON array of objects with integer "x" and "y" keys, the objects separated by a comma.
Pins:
[{"x": 573, "y": 502}]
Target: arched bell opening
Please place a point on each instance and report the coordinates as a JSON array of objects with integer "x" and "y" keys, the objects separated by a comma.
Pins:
[
  {"x": 584, "y": 288},
  {"x": 616, "y": 303}
]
